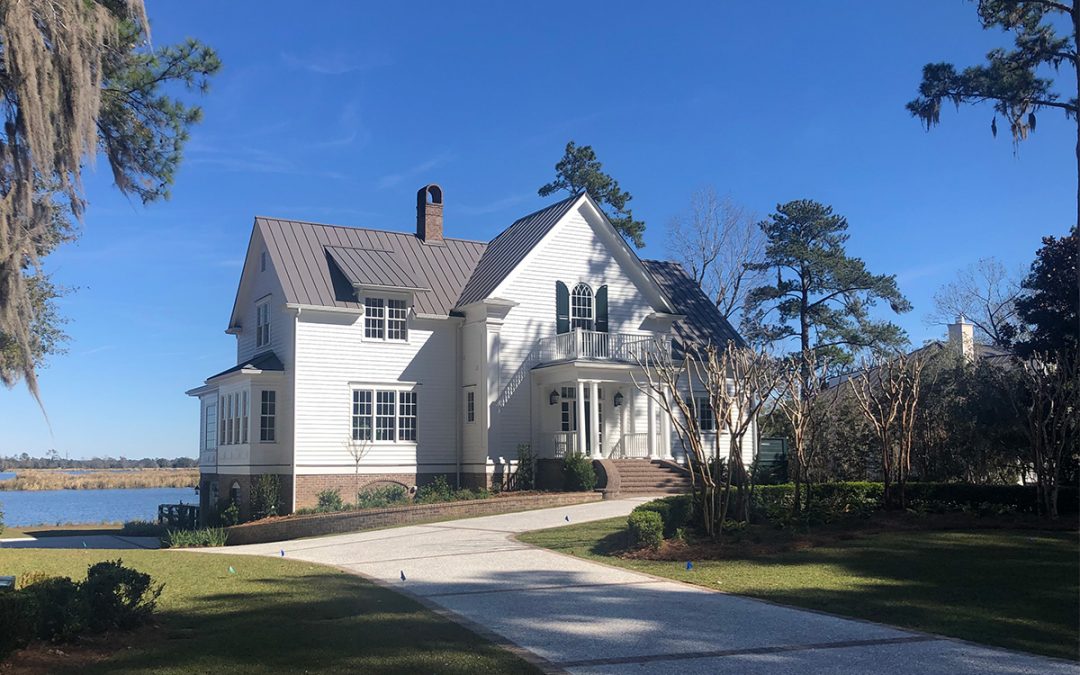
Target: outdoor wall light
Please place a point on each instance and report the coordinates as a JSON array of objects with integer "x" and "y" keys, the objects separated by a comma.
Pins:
[
  {"x": 554, "y": 398},
  {"x": 618, "y": 399}
]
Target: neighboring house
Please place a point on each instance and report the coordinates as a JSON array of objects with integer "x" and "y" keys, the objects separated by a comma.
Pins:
[{"x": 367, "y": 356}]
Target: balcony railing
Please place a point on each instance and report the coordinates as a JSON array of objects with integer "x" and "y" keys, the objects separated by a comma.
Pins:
[{"x": 590, "y": 344}]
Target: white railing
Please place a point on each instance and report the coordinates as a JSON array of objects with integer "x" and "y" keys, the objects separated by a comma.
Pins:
[
  {"x": 631, "y": 446},
  {"x": 590, "y": 344},
  {"x": 561, "y": 444}
]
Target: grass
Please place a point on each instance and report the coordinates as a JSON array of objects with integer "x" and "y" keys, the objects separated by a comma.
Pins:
[
  {"x": 1014, "y": 589},
  {"x": 103, "y": 479},
  {"x": 273, "y": 616}
]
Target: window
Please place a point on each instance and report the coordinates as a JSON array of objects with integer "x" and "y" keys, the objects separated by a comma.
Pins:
[
  {"x": 470, "y": 406},
  {"x": 396, "y": 320},
  {"x": 243, "y": 417},
  {"x": 384, "y": 415},
  {"x": 221, "y": 420},
  {"x": 262, "y": 261},
  {"x": 228, "y": 419},
  {"x": 706, "y": 419},
  {"x": 407, "y": 416},
  {"x": 374, "y": 315},
  {"x": 262, "y": 324},
  {"x": 581, "y": 308},
  {"x": 268, "y": 416},
  {"x": 210, "y": 430},
  {"x": 361, "y": 415},
  {"x": 569, "y": 410}
]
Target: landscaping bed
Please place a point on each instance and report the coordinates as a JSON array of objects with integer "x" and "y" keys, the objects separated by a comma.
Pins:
[
  {"x": 316, "y": 524},
  {"x": 242, "y": 614}
]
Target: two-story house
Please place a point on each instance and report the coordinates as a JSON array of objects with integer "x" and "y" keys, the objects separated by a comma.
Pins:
[{"x": 368, "y": 356}]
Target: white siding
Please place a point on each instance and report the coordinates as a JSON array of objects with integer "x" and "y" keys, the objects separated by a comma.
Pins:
[
  {"x": 255, "y": 285},
  {"x": 572, "y": 252},
  {"x": 332, "y": 355}
]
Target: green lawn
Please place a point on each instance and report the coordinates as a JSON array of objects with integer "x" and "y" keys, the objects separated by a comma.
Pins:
[
  {"x": 1015, "y": 589},
  {"x": 277, "y": 616}
]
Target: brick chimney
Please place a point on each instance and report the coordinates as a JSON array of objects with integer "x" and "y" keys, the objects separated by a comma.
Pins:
[
  {"x": 429, "y": 214},
  {"x": 962, "y": 338}
]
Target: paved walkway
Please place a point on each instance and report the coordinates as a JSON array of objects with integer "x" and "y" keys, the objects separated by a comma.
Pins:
[{"x": 583, "y": 617}]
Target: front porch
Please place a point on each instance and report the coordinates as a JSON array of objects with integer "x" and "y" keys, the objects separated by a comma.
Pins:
[{"x": 596, "y": 409}]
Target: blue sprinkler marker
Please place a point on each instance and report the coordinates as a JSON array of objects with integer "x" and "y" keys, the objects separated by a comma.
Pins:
[
  {"x": 282, "y": 553},
  {"x": 689, "y": 565},
  {"x": 403, "y": 575},
  {"x": 568, "y": 519}
]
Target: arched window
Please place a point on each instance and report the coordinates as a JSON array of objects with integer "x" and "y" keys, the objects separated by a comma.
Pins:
[
  {"x": 581, "y": 308},
  {"x": 234, "y": 493}
]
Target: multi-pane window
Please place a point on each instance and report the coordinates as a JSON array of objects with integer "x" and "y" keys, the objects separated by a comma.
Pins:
[
  {"x": 361, "y": 415},
  {"x": 384, "y": 415},
  {"x": 396, "y": 320},
  {"x": 385, "y": 419},
  {"x": 374, "y": 318},
  {"x": 210, "y": 432},
  {"x": 232, "y": 419},
  {"x": 470, "y": 406},
  {"x": 581, "y": 308},
  {"x": 243, "y": 417},
  {"x": 407, "y": 416},
  {"x": 706, "y": 419},
  {"x": 262, "y": 324},
  {"x": 569, "y": 410},
  {"x": 268, "y": 416}
]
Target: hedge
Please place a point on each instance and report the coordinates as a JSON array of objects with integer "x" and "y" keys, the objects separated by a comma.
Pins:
[
  {"x": 646, "y": 529},
  {"x": 675, "y": 512}
]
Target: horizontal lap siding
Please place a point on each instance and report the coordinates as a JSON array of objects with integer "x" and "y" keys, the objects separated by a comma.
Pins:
[
  {"x": 331, "y": 354},
  {"x": 571, "y": 253},
  {"x": 256, "y": 285}
]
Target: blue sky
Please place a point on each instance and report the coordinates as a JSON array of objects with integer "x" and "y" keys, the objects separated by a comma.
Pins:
[{"x": 339, "y": 115}]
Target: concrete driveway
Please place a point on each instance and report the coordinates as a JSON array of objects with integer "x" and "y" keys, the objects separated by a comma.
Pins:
[{"x": 571, "y": 615}]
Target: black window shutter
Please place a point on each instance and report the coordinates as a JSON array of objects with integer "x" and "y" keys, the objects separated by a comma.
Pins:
[
  {"x": 601, "y": 309},
  {"x": 562, "y": 308}
]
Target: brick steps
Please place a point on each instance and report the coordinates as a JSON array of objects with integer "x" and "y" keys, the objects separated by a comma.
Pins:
[{"x": 639, "y": 476}]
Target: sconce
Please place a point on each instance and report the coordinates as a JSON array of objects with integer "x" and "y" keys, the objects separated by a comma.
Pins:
[
  {"x": 196, "y": 489},
  {"x": 554, "y": 397},
  {"x": 618, "y": 400}
]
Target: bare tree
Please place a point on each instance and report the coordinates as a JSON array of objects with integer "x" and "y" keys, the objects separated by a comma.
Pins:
[
  {"x": 985, "y": 294},
  {"x": 716, "y": 240},
  {"x": 357, "y": 449},
  {"x": 1048, "y": 400},
  {"x": 887, "y": 392},
  {"x": 799, "y": 401}
]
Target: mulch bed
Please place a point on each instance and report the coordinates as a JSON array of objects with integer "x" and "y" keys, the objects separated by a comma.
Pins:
[{"x": 41, "y": 658}]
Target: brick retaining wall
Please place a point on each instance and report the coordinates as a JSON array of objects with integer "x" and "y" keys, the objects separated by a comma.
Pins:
[{"x": 295, "y": 527}]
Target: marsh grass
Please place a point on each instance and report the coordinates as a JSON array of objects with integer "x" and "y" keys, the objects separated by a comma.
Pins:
[{"x": 100, "y": 479}]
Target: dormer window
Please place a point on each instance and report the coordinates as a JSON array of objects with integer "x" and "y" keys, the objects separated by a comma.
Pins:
[
  {"x": 262, "y": 323},
  {"x": 386, "y": 319},
  {"x": 581, "y": 308}
]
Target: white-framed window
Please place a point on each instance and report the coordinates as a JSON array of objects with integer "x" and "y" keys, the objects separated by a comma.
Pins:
[
  {"x": 210, "y": 430},
  {"x": 568, "y": 414},
  {"x": 228, "y": 419},
  {"x": 386, "y": 319},
  {"x": 243, "y": 417},
  {"x": 262, "y": 323},
  {"x": 268, "y": 416},
  {"x": 232, "y": 419},
  {"x": 581, "y": 308},
  {"x": 262, "y": 261},
  {"x": 706, "y": 419},
  {"x": 470, "y": 406},
  {"x": 384, "y": 415}
]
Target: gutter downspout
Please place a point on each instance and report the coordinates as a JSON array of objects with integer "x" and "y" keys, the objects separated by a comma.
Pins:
[
  {"x": 296, "y": 329},
  {"x": 458, "y": 415}
]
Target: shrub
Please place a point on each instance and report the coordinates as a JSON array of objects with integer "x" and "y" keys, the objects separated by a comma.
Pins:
[
  {"x": 59, "y": 607},
  {"x": 438, "y": 490},
  {"x": 204, "y": 538},
  {"x": 265, "y": 496},
  {"x": 329, "y": 501},
  {"x": 383, "y": 496},
  {"x": 141, "y": 528},
  {"x": 646, "y": 529},
  {"x": 675, "y": 512},
  {"x": 18, "y": 620},
  {"x": 578, "y": 473},
  {"x": 117, "y": 596},
  {"x": 524, "y": 477},
  {"x": 230, "y": 515}
]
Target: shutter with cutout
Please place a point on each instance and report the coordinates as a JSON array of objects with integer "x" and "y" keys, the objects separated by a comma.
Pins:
[
  {"x": 562, "y": 308},
  {"x": 601, "y": 309}
]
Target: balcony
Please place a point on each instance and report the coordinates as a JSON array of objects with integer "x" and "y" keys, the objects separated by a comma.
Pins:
[{"x": 592, "y": 345}]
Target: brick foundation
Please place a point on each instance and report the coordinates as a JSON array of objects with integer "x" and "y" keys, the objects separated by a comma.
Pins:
[
  {"x": 224, "y": 483},
  {"x": 309, "y": 487}
]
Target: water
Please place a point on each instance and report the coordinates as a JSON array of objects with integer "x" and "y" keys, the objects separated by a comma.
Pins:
[{"x": 49, "y": 507}]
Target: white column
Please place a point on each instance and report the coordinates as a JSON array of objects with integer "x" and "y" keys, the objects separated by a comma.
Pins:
[
  {"x": 581, "y": 417},
  {"x": 594, "y": 419},
  {"x": 651, "y": 427},
  {"x": 665, "y": 435}
]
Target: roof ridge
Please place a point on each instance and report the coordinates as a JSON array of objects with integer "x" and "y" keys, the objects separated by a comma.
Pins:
[{"x": 360, "y": 227}]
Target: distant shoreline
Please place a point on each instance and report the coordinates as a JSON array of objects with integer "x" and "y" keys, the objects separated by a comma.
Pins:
[{"x": 98, "y": 479}]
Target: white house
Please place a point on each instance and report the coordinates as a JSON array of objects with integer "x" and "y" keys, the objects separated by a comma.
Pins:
[{"x": 367, "y": 356}]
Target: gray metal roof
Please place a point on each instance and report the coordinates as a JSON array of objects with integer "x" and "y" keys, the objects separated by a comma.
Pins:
[
  {"x": 509, "y": 248},
  {"x": 264, "y": 361},
  {"x": 376, "y": 267},
  {"x": 310, "y": 276},
  {"x": 703, "y": 323}
]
